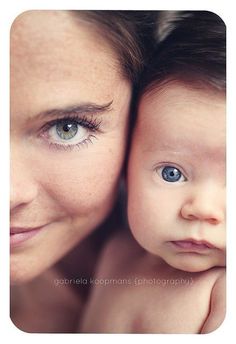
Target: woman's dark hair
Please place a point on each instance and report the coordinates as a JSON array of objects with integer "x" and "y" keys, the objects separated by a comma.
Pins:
[
  {"x": 194, "y": 52},
  {"x": 128, "y": 32}
]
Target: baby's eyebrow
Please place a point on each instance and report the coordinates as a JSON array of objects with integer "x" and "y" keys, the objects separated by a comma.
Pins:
[
  {"x": 83, "y": 108},
  {"x": 190, "y": 150}
]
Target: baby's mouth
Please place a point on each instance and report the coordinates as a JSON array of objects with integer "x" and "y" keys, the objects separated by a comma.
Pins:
[{"x": 192, "y": 245}]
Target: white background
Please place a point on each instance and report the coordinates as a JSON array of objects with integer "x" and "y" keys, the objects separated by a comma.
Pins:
[{"x": 8, "y": 11}]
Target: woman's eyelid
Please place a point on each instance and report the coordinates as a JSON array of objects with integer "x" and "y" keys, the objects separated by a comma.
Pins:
[
  {"x": 88, "y": 121},
  {"x": 85, "y": 121},
  {"x": 65, "y": 147}
]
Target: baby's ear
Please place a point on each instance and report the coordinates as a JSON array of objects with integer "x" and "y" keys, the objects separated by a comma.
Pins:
[{"x": 218, "y": 306}]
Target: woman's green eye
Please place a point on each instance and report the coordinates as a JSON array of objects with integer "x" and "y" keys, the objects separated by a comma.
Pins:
[
  {"x": 70, "y": 132},
  {"x": 67, "y": 130}
]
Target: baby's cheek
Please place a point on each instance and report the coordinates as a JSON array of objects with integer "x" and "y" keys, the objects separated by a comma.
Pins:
[{"x": 148, "y": 211}]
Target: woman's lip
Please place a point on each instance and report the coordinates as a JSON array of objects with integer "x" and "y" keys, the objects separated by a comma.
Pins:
[
  {"x": 19, "y": 235},
  {"x": 17, "y": 230},
  {"x": 190, "y": 244}
]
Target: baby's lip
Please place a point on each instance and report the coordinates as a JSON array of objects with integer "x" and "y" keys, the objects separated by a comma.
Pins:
[{"x": 193, "y": 244}]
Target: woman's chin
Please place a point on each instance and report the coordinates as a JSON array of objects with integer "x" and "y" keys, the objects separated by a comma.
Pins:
[
  {"x": 23, "y": 276},
  {"x": 23, "y": 270}
]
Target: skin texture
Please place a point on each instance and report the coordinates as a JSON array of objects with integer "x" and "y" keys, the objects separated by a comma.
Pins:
[
  {"x": 185, "y": 128},
  {"x": 153, "y": 286},
  {"x": 59, "y": 61}
]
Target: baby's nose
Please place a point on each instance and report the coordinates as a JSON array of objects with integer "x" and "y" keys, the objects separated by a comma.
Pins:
[{"x": 205, "y": 206}]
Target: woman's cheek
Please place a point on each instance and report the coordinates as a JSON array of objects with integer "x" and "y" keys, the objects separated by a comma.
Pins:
[{"x": 85, "y": 186}]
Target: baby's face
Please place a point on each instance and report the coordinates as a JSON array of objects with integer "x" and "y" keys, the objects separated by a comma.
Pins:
[{"x": 176, "y": 177}]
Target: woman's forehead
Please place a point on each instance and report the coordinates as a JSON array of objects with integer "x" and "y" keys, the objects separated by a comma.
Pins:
[
  {"x": 54, "y": 42},
  {"x": 56, "y": 58}
]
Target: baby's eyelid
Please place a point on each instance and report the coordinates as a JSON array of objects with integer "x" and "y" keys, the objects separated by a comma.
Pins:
[
  {"x": 160, "y": 169},
  {"x": 183, "y": 177}
]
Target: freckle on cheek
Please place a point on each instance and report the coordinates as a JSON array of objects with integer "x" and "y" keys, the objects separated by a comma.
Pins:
[{"x": 81, "y": 198}]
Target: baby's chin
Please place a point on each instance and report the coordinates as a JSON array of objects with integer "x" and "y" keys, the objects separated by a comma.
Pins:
[{"x": 193, "y": 264}]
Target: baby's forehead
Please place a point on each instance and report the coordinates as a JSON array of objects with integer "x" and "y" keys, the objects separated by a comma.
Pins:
[
  {"x": 176, "y": 95},
  {"x": 178, "y": 115},
  {"x": 182, "y": 121}
]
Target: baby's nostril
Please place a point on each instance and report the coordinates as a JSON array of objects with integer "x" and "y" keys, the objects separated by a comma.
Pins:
[
  {"x": 213, "y": 221},
  {"x": 191, "y": 217}
]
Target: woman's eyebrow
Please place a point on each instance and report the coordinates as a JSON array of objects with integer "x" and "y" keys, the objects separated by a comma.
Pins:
[{"x": 83, "y": 108}]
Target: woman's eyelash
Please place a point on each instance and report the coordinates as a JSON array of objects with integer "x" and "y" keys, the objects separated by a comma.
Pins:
[
  {"x": 84, "y": 143},
  {"x": 89, "y": 123},
  {"x": 92, "y": 124}
]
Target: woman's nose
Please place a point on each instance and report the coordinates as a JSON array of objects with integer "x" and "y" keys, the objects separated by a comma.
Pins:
[
  {"x": 23, "y": 188},
  {"x": 205, "y": 205}
]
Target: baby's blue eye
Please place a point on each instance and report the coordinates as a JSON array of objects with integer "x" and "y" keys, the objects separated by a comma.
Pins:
[{"x": 172, "y": 174}]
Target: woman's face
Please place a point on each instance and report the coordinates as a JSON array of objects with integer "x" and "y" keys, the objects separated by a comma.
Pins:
[{"x": 69, "y": 114}]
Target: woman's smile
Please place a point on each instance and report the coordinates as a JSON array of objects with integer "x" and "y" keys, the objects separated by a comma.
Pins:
[{"x": 19, "y": 235}]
